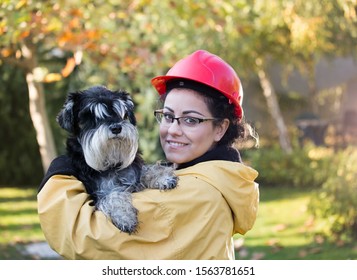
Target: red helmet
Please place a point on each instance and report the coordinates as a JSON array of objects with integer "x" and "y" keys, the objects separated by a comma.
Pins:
[{"x": 208, "y": 69}]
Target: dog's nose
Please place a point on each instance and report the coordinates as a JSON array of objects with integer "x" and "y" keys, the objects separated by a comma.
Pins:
[{"x": 115, "y": 128}]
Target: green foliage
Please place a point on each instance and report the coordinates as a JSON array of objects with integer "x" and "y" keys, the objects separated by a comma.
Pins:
[
  {"x": 303, "y": 168},
  {"x": 336, "y": 201},
  {"x": 20, "y": 162}
]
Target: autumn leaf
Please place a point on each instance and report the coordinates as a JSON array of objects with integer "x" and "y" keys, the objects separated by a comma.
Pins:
[
  {"x": 6, "y": 52},
  {"x": 67, "y": 70},
  {"x": 52, "y": 77},
  {"x": 24, "y": 34}
]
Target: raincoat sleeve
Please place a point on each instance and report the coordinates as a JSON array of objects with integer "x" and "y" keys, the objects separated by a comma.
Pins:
[{"x": 75, "y": 230}]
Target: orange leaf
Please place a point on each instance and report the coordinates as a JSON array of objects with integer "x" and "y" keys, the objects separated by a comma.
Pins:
[
  {"x": 52, "y": 77},
  {"x": 24, "y": 34},
  {"x": 74, "y": 23},
  {"x": 6, "y": 52},
  {"x": 76, "y": 13},
  {"x": 67, "y": 70}
]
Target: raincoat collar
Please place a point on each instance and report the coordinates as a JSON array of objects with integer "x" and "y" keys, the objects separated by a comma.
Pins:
[{"x": 218, "y": 153}]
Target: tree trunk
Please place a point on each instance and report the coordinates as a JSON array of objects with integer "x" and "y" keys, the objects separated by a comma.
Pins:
[
  {"x": 37, "y": 107},
  {"x": 310, "y": 65},
  {"x": 274, "y": 109},
  {"x": 40, "y": 121}
]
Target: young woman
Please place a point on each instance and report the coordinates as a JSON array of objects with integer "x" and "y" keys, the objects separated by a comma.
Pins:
[{"x": 200, "y": 120}]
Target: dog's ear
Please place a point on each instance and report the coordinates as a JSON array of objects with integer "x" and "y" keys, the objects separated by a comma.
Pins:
[
  {"x": 65, "y": 117},
  {"x": 129, "y": 103},
  {"x": 131, "y": 117}
]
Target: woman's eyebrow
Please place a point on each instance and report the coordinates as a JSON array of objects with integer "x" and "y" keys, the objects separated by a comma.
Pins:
[
  {"x": 184, "y": 112},
  {"x": 192, "y": 111},
  {"x": 168, "y": 108}
]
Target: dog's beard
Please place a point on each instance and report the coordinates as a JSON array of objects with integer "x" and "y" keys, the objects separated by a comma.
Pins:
[{"x": 102, "y": 149}]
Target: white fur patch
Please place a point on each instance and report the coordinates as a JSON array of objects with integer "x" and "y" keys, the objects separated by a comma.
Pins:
[
  {"x": 102, "y": 149},
  {"x": 100, "y": 110}
]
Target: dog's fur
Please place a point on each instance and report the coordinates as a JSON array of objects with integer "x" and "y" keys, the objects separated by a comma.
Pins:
[{"x": 103, "y": 145}]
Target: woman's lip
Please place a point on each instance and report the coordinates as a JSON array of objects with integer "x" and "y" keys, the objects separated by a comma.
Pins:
[{"x": 175, "y": 143}]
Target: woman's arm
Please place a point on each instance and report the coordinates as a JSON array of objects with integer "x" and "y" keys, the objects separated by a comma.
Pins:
[{"x": 74, "y": 228}]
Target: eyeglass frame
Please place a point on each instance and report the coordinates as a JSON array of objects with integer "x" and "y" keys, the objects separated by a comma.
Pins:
[{"x": 173, "y": 118}]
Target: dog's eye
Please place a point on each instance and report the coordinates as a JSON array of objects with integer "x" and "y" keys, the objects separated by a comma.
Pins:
[{"x": 126, "y": 116}]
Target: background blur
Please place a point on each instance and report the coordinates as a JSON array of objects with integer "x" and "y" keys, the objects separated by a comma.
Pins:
[{"x": 297, "y": 63}]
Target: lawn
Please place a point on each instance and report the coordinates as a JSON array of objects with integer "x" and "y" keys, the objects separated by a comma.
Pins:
[
  {"x": 283, "y": 230},
  {"x": 19, "y": 223}
]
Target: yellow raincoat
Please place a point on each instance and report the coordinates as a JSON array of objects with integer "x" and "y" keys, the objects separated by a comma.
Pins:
[{"x": 213, "y": 201}]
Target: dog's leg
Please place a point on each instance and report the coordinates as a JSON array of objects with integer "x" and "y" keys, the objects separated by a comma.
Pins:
[
  {"x": 157, "y": 176},
  {"x": 118, "y": 207}
]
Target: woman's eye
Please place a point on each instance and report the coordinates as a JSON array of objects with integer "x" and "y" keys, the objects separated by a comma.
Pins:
[
  {"x": 168, "y": 117},
  {"x": 191, "y": 120}
]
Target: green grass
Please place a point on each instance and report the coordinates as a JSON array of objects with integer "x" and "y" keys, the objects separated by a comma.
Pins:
[
  {"x": 19, "y": 222},
  {"x": 284, "y": 230}
]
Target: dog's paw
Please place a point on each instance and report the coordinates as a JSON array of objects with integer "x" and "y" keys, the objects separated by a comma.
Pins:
[
  {"x": 118, "y": 207},
  {"x": 128, "y": 222},
  {"x": 158, "y": 176},
  {"x": 167, "y": 182}
]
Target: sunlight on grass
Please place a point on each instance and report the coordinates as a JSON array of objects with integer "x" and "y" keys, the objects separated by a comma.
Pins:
[
  {"x": 284, "y": 229},
  {"x": 278, "y": 221},
  {"x": 19, "y": 221},
  {"x": 17, "y": 193}
]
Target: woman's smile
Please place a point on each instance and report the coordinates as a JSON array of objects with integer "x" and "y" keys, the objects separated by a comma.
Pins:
[{"x": 175, "y": 144}]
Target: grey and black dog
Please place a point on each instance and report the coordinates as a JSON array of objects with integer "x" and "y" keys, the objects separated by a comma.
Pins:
[{"x": 103, "y": 146}]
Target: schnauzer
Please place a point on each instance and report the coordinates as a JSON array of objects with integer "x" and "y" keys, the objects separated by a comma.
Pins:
[{"x": 103, "y": 146}]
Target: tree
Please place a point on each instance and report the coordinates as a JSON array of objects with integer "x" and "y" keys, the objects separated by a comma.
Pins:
[{"x": 28, "y": 32}]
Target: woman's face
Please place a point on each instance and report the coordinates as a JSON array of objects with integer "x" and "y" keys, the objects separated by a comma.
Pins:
[{"x": 182, "y": 143}]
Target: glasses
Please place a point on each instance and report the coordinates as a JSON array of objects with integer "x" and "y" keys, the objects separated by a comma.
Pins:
[{"x": 167, "y": 119}]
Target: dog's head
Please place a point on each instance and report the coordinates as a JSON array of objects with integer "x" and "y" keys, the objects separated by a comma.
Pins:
[{"x": 104, "y": 124}]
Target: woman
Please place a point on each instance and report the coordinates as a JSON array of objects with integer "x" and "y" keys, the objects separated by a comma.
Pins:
[{"x": 216, "y": 197}]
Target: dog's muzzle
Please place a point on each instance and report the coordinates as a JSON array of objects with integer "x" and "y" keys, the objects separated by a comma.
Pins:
[
  {"x": 115, "y": 128},
  {"x": 110, "y": 145}
]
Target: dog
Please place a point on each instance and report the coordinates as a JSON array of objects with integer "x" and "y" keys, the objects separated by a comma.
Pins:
[{"x": 103, "y": 144}]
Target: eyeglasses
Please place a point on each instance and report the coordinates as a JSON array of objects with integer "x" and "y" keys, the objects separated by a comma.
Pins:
[{"x": 167, "y": 119}]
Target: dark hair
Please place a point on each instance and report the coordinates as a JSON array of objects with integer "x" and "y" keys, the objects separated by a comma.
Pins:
[{"x": 220, "y": 108}]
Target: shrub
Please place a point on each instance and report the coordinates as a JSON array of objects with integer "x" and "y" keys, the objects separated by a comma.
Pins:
[
  {"x": 336, "y": 201},
  {"x": 303, "y": 168},
  {"x": 20, "y": 162}
]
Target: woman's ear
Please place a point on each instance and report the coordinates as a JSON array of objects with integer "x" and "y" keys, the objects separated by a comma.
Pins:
[{"x": 221, "y": 129}]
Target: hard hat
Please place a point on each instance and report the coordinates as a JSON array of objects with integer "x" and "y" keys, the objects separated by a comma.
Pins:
[{"x": 208, "y": 69}]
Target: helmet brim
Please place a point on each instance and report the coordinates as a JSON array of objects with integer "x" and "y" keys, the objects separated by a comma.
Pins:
[{"x": 160, "y": 82}]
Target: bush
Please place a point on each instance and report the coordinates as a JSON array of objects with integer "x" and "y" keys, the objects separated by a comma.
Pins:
[
  {"x": 336, "y": 201},
  {"x": 20, "y": 162},
  {"x": 303, "y": 168}
]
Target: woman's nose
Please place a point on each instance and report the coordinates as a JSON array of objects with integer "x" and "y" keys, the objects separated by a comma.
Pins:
[{"x": 175, "y": 128}]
